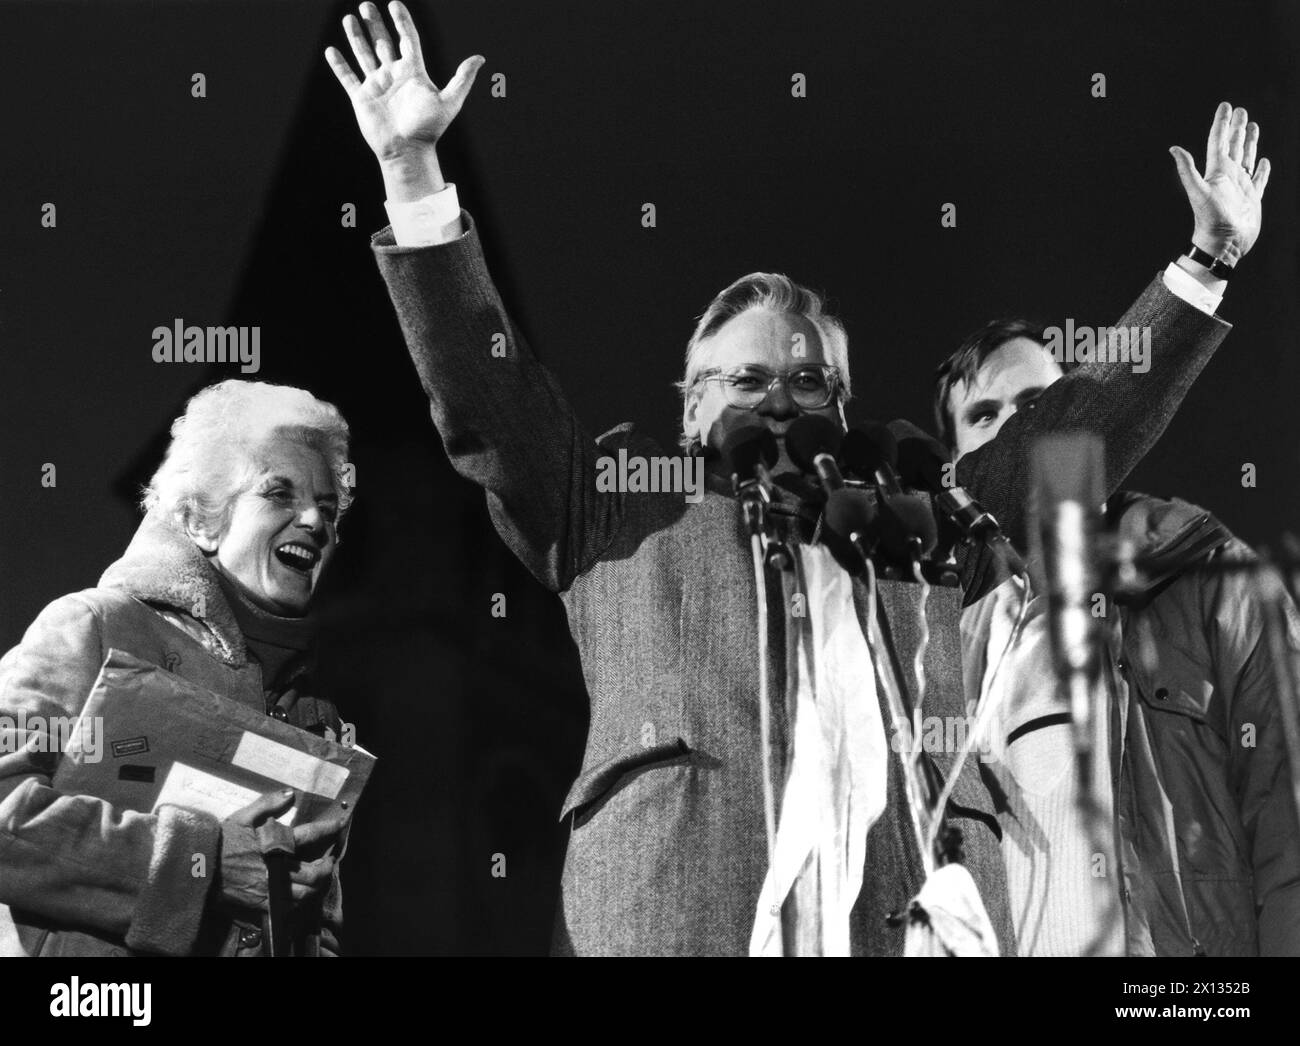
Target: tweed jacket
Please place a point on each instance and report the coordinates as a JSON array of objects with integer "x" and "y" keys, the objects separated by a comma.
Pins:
[
  {"x": 667, "y": 853},
  {"x": 79, "y": 876}
]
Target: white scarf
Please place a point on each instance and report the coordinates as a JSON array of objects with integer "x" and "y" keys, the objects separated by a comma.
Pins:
[{"x": 835, "y": 788}]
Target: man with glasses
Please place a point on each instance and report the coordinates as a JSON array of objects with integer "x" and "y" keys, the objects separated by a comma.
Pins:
[{"x": 668, "y": 847}]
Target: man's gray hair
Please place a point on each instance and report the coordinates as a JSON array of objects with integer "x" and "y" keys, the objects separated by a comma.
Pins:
[
  {"x": 775, "y": 292},
  {"x": 210, "y": 460}
]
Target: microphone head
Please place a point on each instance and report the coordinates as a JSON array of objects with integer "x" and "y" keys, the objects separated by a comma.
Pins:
[
  {"x": 1068, "y": 472},
  {"x": 903, "y": 517},
  {"x": 1069, "y": 467},
  {"x": 865, "y": 449},
  {"x": 810, "y": 435},
  {"x": 921, "y": 457},
  {"x": 747, "y": 447},
  {"x": 849, "y": 512}
]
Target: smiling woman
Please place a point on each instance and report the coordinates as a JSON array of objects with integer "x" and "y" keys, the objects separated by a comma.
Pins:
[
  {"x": 264, "y": 515},
  {"x": 215, "y": 587}
]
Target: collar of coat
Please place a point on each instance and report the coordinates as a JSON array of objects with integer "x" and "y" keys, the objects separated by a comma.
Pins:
[
  {"x": 1170, "y": 535},
  {"x": 163, "y": 567}
]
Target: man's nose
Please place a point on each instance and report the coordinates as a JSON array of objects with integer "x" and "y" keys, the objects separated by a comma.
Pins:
[{"x": 778, "y": 402}]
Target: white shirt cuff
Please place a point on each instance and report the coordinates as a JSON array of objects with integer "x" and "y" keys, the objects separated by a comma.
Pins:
[
  {"x": 1186, "y": 286},
  {"x": 432, "y": 219}
]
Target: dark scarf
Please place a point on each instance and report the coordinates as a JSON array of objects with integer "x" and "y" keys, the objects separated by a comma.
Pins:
[{"x": 279, "y": 644}]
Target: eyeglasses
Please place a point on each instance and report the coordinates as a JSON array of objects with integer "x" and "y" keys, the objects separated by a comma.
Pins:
[{"x": 811, "y": 387}]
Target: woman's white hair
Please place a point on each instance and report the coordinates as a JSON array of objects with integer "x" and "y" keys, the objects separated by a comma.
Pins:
[
  {"x": 776, "y": 293},
  {"x": 211, "y": 459}
]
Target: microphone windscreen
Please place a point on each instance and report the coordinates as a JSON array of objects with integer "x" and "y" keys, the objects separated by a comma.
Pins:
[
  {"x": 921, "y": 462},
  {"x": 810, "y": 435},
  {"x": 901, "y": 429},
  {"x": 883, "y": 441},
  {"x": 905, "y": 516},
  {"x": 747, "y": 447},
  {"x": 1069, "y": 467},
  {"x": 865, "y": 449},
  {"x": 849, "y": 512}
]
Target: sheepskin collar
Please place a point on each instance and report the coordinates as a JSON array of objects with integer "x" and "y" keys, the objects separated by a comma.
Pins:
[{"x": 164, "y": 567}]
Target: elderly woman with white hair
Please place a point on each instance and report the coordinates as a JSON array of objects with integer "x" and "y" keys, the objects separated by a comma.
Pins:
[{"x": 215, "y": 587}]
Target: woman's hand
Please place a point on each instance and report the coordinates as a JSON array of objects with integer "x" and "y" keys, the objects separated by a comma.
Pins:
[
  {"x": 315, "y": 846},
  {"x": 243, "y": 869}
]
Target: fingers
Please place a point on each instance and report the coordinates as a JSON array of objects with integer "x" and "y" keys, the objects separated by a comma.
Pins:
[
  {"x": 1193, "y": 184},
  {"x": 458, "y": 86},
  {"x": 263, "y": 807},
  {"x": 306, "y": 834},
  {"x": 360, "y": 45},
  {"x": 378, "y": 33},
  {"x": 1217, "y": 144},
  {"x": 1261, "y": 175},
  {"x": 1237, "y": 135},
  {"x": 314, "y": 875},
  {"x": 342, "y": 70},
  {"x": 407, "y": 37},
  {"x": 1252, "y": 143}
]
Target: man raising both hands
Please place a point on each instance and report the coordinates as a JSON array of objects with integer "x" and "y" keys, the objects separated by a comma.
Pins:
[{"x": 668, "y": 847}]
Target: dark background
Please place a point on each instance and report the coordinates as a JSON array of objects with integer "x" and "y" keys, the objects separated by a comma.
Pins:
[{"x": 226, "y": 210}]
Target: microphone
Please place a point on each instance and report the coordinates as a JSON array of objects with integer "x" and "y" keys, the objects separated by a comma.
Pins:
[
  {"x": 850, "y": 516},
  {"x": 906, "y": 527},
  {"x": 1068, "y": 488},
  {"x": 747, "y": 453},
  {"x": 812, "y": 442},
  {"x": 923, "y": 463},
  {"x": 870, "y": 453}
]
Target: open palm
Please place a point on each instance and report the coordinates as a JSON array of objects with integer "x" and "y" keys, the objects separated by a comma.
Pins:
[
  {"x": 398, "y": 108},
  {"x": 1227, "y": 201}
]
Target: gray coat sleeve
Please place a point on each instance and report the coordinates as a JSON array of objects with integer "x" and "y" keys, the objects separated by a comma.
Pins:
[
  {"x": 1129, "y": 411},
  {"x": 76, "y": 859},
  {"x": 504, "y": 422}
]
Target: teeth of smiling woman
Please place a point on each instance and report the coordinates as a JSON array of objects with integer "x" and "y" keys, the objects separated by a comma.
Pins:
[{"x": 299, "y": 557}]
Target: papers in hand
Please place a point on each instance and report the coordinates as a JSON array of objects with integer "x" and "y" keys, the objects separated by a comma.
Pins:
[{"x": 170, "y": 741}]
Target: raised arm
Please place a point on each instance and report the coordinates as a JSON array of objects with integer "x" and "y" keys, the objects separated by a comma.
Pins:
[
  {"x": 503, "y": 419},
  {"x": 1131, "y": 410}
]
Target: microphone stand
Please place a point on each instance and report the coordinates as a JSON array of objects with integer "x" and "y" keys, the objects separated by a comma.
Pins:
[
  {"x": 754, "y": 499},
  {"x": 767, "y": 550},
  {"x": 1067, "y": 477}
]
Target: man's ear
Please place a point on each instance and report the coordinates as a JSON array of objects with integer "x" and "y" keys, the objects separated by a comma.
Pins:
[
  {"x": 690, "y": 424},
  {"x": 207, "y": 540}
]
